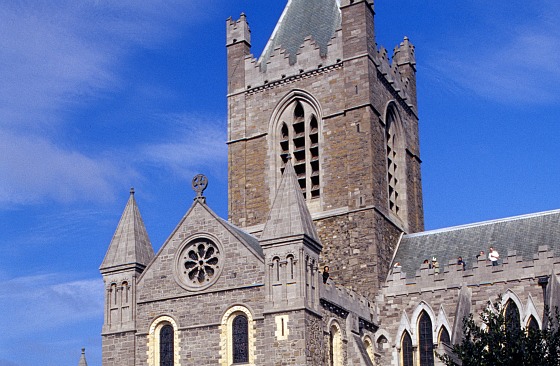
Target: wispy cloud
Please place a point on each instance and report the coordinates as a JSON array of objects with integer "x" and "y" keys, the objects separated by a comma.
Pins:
[
  {"x": 56, "y": 56},
  {"x": 513, "y": 64},
  {"x": 199, "y": 142},
  {"x": 47, "y": 302}
]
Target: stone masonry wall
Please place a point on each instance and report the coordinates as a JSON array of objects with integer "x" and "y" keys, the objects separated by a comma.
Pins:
[
  {"x": 118, "y": 349},
  {"x": 403, "y": 298}
]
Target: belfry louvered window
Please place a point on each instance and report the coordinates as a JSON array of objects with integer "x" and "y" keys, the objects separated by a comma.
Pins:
[
  {"x": 299, "y": 138},
  {"x": 394, "y": 158}
]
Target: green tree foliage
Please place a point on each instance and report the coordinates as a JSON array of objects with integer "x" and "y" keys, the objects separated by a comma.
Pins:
[{"x": 499, "y": 340}]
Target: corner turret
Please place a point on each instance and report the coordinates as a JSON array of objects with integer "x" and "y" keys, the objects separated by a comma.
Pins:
[
  {"x": 238, "y": 45},
  {"x": 128, "y": 255},
  {"x": 404, "y": 61}
]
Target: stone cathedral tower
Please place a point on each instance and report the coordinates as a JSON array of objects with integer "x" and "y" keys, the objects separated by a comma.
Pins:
[{"x": 323, "y": 93}]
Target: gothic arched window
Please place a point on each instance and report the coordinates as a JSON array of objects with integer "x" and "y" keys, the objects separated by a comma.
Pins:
[
  {"x": 166, "y": 343},
  {"x": 426, "y": 340},
  {"x": 335, "y": 346},
  {"x": 407, "y": 353},
  {"x": 299, "y": 138},
  {"x": 395, "y": 162},
  {"x": 240, "y": 341},
  {"x": 513, "y": 321},
  {"x": 444, "y": 336},
  {"x": 532, "y": 324}
]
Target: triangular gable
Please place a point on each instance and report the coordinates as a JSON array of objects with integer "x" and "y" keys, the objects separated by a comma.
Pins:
[{"x": 231, "y": 245}]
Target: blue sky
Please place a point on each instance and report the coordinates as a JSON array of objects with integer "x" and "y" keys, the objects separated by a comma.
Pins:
[{"x": 97, "y": 96}]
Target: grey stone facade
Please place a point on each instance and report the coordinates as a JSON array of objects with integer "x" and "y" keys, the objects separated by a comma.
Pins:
[{"x": 349, "y": 196}]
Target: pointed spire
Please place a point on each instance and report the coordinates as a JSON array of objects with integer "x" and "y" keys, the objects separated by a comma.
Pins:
[
  {"x": 130, "y": 244},
  {"x": 289, "y": 214},
  {"x": 318, "y": 19},
  {"x": 83, "y": 361}
]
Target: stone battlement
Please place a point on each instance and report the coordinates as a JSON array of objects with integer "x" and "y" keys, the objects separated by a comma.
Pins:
[
  {"x": 347, "y": 299},
  {"x": 452, "y": 276}
]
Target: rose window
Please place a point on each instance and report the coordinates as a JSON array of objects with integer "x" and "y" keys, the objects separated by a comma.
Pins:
[{"x": 199, "y": 264}]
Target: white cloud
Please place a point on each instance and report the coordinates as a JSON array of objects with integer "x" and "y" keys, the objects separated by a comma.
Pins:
[
  {"x": 42, "y": 302},
  {"x": 511, "y": 64},
  {"x": 33, "y": 170},
  {"x": 56, "y": 56},
  {"x": 198, "y": 142}
]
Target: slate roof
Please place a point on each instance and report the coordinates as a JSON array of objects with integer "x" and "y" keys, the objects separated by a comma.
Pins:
[
  {"x": 130, "y": 243},
  {"x": 249, "y": 239},
  {"x": 289, "y": 214},
  {"x": 524, "y": 234},
  {"x": 301, "y": 19}
]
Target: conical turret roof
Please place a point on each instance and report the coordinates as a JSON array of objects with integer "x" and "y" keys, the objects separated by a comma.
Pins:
[
  {"x": 130, "y": 244},
  {"x": 318, "y": 19},
  {"x": 289, "y": 214},
  {"x": 83, "y": 361}
]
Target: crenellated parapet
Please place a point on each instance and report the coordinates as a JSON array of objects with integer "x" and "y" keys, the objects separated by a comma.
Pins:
[
  {"x": 279, "y": 69},
  {"x": 399, "y": 71},
  {"x": 512, "y": 268},
  {"x": 349, "y": 300},
  {"x": 238, "y": 30}
]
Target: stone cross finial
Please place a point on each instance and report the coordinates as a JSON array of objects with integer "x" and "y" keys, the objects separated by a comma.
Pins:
[{"x": 199, "y": 184}]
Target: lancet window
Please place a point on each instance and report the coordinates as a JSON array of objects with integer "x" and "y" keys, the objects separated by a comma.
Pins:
[{"x": 299, "y": 138}]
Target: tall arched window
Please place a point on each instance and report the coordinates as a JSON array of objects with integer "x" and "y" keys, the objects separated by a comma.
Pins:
[
  {"x": 532, "y": 324},
  {"x": 513, "y": 321},
  {"x": 240, "y": 332},
  {"x": 163, "y": 342},
  {"x": 299, "y": 138},
  {"x": 237, "y": 337},
  {"x": 407, "y": 353},
  {"x": 444, "y": 336},
  {"x": 395, "y": 162},
  {"x": 335, "y": 345},
  {"x": 426, "y": 340},
  {"x": 166, "y": 343}
]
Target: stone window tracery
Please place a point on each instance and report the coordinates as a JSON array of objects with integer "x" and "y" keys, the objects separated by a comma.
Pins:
[
  {"x": 395, "y": 162},
  {"x": 198, "y": 263},
  {"x": 299, "y": 138}
]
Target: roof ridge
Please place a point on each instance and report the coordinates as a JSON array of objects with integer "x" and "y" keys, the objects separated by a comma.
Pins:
[{"x": 484, "y": 223}]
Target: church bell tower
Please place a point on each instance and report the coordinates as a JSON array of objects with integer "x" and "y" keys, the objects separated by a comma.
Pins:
[{"x": 325, "y": 94}]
